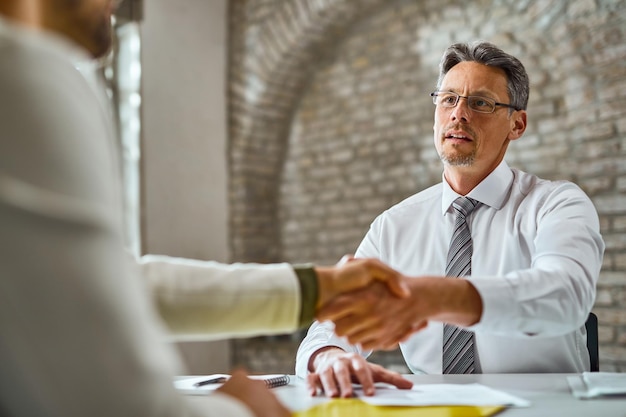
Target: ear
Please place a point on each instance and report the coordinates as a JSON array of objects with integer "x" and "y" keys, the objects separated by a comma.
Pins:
[{"x": 518, "y": 124}]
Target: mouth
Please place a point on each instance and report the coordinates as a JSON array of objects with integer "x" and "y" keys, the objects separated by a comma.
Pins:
[{"x": 457, "y": 136}]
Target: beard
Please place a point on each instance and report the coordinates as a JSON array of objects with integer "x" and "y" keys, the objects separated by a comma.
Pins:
[
  {"x": 453, "y": 154},
  {"x": 88, "y": 24},
  {"x": 456, "y": 158},
  {"x": 102, "y": 38}
]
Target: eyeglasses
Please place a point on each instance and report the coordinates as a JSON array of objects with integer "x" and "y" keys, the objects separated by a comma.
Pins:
[{"x": 448, "y": 100}]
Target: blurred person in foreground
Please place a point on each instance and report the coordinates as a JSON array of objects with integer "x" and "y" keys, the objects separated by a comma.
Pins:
[
  {"x": 505, "y": 263},
  {"x": 80, "y": 333}
]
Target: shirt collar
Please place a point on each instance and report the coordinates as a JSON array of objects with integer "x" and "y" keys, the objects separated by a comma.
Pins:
[{"x": 492, "y": 191}]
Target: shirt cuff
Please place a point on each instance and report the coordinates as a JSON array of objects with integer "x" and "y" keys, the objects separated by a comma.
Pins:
[
  {"x": 500, "y": 309},
  {"x": 308, "y": 291}
]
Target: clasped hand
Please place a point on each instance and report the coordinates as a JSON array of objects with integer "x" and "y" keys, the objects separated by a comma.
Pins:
[
  {"x": 350, "y": 294},
  {"x": 376, "y": 319}
]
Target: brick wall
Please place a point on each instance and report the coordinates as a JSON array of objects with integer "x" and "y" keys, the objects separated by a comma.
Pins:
[{"x": 331, "y": 123}]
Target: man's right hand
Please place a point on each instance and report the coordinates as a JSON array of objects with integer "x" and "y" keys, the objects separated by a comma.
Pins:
[
  {"x": 255, "y": 395},
  {"x": 334, "y": 371}
]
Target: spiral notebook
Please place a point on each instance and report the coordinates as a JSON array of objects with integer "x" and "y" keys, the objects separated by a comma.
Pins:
[{"x": 204, "y": 384}]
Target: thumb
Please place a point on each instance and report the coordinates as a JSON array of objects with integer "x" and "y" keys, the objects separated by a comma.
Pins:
[
  {"x": 397, "y": 286},
  {"x": 345, "y": 259}
]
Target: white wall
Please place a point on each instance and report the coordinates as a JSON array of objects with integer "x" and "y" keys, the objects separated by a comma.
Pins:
[{"x": 184, "y": 170}]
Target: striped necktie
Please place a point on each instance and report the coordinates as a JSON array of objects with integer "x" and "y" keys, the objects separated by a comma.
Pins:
[{"x": 458, "y": 344}]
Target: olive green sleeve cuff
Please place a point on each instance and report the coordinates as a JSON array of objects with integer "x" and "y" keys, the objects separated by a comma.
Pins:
[{"x": 309, "y": 292}]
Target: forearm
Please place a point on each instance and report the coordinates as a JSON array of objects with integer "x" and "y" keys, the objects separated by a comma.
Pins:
[
  {"x": 534, "y": 302},
  {"x": 549, "y": 287},
  {"x": 209, "y": 300},
  {"x": 455, "y": 301}
]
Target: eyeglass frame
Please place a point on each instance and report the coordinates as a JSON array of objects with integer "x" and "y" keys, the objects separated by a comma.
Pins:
[{"x": 435, "y": 94}]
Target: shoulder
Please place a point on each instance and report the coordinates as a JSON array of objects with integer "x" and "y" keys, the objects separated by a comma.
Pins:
[
  {"x": 527, "y": 184},
  {"x": 54, "y": 133},
  {"x": 39, "y": 82},
  {"x": 547, "y": 193},
  {"x": 32, "y": 58}
]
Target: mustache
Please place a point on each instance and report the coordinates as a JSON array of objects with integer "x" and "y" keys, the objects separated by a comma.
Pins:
[{"x": 458, "y": 126}]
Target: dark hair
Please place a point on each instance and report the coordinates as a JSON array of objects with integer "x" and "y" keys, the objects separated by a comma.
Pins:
[{"x": 488, "y": 54}]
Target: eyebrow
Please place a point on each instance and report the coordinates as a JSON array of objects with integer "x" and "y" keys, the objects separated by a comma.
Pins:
[{"x": 479, "y": 93}]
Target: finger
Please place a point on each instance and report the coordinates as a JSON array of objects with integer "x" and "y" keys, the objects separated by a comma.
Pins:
[
  {"x": 386, "y": 339},
  {"x": 412, "y": 330},
  {"x": 419, "y": 326},
  {"x": 329, "y": 385},
  {"x": 375, "y": 344},
  {"x": 392, "y": 342},
  {"x": 340, "y": 307},
  {"x": 370, "y": 330},
  {"x": 378, "y": 344},
  {"x": 343, "y": 378},
  {"x": 359, "y": 302},
  {"x": 357, "y": 328},
  {"x": 313, "y": 384},
  {"x": 345, "y": 259},
  {"x": 363, "y": 375},
  {"x": 397, "y": 286},
  {"x": 381, "y": 374},
  {"x": 393, "y": 279},
  {"x": 381, "y": 344}
]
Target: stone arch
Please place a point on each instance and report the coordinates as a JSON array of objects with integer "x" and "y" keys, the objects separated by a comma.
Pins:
[{"x": 261, "y": 101}]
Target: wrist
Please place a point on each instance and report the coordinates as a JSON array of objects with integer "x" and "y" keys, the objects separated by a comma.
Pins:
[
  {"x": 324, "y": 276},
  {"x": 459, "y": 302},
  {"x": 309, "y": 293},
  {"x": 323, "y": 355}
]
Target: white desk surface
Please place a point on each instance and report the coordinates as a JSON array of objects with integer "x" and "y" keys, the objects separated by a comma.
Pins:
[{"x": 549, "y": 394}]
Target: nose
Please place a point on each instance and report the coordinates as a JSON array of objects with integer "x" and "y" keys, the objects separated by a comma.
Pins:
[{"x": 461, "y": 112}]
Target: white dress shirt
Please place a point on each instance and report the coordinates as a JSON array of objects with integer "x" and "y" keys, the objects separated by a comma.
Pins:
[
  {"x": 79, "y": 334},
  {"x": 537, "y": 253}
]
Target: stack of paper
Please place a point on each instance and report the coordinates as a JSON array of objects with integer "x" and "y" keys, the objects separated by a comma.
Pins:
[
  {"x": 597, "y": 384},
  {"x": 442, "y": 394}
]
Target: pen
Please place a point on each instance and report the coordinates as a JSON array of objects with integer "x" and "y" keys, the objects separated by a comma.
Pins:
[{"x": 217, "y": 380}]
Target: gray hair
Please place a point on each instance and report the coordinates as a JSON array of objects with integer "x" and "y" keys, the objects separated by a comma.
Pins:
[{"x": 488, "y": 54}]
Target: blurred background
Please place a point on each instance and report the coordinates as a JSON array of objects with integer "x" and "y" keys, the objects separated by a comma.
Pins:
[{"x": 276, "y": 130}]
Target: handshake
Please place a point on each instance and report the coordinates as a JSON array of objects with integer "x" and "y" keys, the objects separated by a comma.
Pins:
[{"x": 348, "y": 294}]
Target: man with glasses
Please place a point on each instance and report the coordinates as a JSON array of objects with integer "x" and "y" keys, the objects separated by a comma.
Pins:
[{"x": 506, "y": 263}]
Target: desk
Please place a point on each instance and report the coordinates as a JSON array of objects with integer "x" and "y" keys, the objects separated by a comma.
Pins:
[{"x": 549, "y": 394}]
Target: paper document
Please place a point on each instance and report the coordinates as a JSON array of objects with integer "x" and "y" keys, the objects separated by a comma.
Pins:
[
  {"x": 597, "y": 384},
  {"x": 442, "y": 394}
]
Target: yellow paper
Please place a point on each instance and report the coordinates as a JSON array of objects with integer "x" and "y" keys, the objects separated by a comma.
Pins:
[{"x": 355, "y": 407}]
